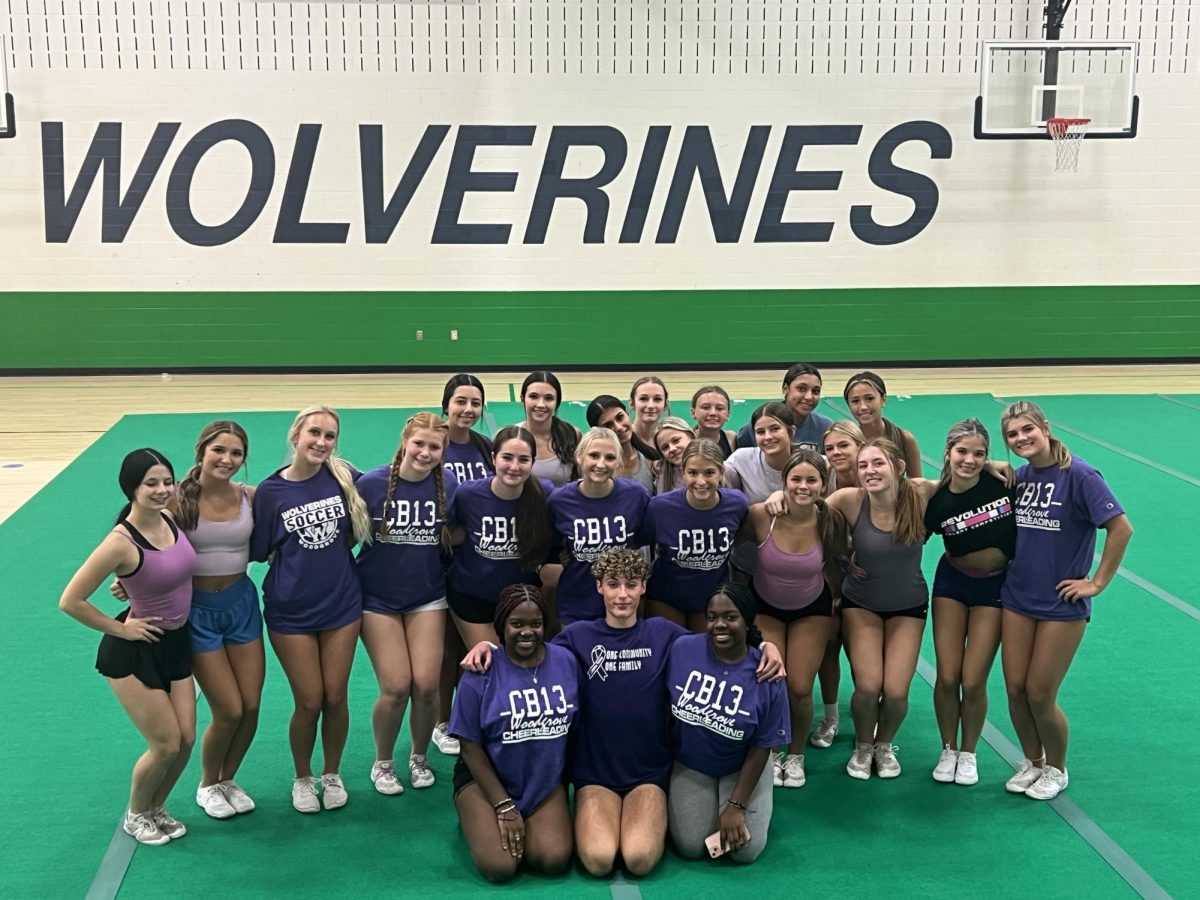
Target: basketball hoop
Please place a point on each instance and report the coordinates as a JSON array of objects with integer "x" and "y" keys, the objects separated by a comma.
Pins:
[{"x": 1067, "y": 135}]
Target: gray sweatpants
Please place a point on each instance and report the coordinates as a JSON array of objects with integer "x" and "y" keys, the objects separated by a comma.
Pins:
[{"x": 693, "y": 805}]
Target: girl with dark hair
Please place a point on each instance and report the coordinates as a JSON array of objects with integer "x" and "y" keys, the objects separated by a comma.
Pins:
[
  {"x": 541, "y": 394},
  {"x": 404, "y": 593},
  {"x": 501, "y": 534},
  {"x": 801, "y": 394},
  {"x": 608, "y": 412},
  {"x": 866, "y": 396},
  {"x": 594, "y": 514},
  {"x": 1047, "y": 596},
  {"x": 145, "y": 652},
  {"x": 307, "y": 518},
  {"x": 693, "y": 531},
  {"x": 757, "y": 470},
  {"x": 468, "y": 454},
  {"x": 710, "y": 411},
  {"x": 226, "y": 622},
  {"x": 649, "y": 398},
  {"x": 721, "y": 781},
  {"x": 512, "y": 723},
  {"x": 800, "y": 554}
]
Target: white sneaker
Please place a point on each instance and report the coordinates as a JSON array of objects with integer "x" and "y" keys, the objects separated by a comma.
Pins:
[
  {"x": 947, "y": 763},
  {"x": 142, "y": 829},
  {"x": 304, "y": 795},
  {"x": 419, "y": 772},
  {"x": 793, "y": 770},
  {"x": 860, "y": 762},
  {"x": 444, "y": 740},
  {"x": 824, "y": 733},
  {"x": 777, "y": 765},
  {"x": 167, "y": 823},
  {"x": 966, "y": 772},
  {"x": 886, "y": 764},
  {"x": 334, "y": 794},
  {"x": 1052, "y": 783},
  {"x": 383, "y": 776},
  {"x": 212, "y": 800},
  {"x": 1026, "y": 775},
  {"x": 238, "y": 799}
]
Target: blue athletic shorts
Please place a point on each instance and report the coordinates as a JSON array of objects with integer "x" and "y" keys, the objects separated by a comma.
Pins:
[
  {"x": 231, "y": 616},
  {"x": 967, "y": 588}
]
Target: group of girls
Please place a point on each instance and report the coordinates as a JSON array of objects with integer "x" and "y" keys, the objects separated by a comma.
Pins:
[{"x": 542, "y": 537}]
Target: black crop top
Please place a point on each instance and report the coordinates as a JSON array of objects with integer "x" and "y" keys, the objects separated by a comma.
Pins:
[{"x": 975, "y": 519}]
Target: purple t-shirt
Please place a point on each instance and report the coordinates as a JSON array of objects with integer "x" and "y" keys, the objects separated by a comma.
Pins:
[
  {"x": 403, "y": 569},
  {"x": 312, "y": 584},
  {"x": 521, "y": 718},
  {"x": 488, "y": 560},
  {"x": 465, "y": 462},
  {"x": 1058, "y": 512},
  {"x": 693, "y": 546},
  {"x": 621, "y": 733},
  {"x": 721, "y": 711},
  {"x": 587, "y": 527}
]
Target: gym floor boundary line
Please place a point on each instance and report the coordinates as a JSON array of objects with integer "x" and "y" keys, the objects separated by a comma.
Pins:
[
  {"x": 110, "y": 874},
  {"x": 1120, "y": 451},
  {"x": 622, "y": 888},
  {"x": 1080, "y": 822},
  {"x": 1177, "y": 401}
]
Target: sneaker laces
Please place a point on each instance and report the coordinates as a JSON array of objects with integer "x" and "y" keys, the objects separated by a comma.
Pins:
[
  {"x": 384, "y": 770},
  {"x": 418, "y": 765},
  {"x": 142, "y": 822}
]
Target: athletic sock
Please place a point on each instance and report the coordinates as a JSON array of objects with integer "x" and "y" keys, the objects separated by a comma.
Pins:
[{"x": 831, "y": 712}]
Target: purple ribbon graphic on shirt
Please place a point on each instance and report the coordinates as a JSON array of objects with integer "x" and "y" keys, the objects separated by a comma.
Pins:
[{"x": 599, "y": 667}]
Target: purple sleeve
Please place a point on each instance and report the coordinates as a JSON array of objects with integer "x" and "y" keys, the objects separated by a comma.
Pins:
[
  {"x": 1096, "y": 502},
  {"x": 774, "y": 719},
  {"x": 264, "y": 524},
  {"x": 468, "y": 702},
  {"x": 645, "y": 536}
]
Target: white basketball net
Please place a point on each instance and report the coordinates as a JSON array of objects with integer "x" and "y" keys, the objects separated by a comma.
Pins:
[{"x": 1067, "y": 135}]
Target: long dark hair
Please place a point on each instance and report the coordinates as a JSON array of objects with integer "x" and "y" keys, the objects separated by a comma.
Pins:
[
  {"x": 563, "y": 435},
  {"x": 603, "y": 404},
  {"x": 478, "y": 441},
  {"x": 534, "y": 535},
  {"x": 134, "y": 467},
  {"x": 188, "y": 491}
]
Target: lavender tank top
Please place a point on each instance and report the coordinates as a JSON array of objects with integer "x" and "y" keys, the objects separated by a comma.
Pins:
[
  {"x": 788, "y": 580},
  {"x": 161, "y": 586},
  {"x": 223, "y": 548},
  {"x": 893, "y": 570}
]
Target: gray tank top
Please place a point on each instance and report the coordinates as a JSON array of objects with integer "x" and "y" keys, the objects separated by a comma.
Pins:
[
  {"x": 644, "y": 475},
  {"x": 553, "y": 470},
  {"x": 893, "y": 580}
]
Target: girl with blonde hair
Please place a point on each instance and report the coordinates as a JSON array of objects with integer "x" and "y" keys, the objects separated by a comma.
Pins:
[{"x": 307, "y": 518}]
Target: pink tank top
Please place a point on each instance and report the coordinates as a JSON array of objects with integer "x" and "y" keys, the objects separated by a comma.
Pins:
[
  {"x": 223, "y": 548},
  {"x": 161, "y": 586},
  {"x": 788, "y": 580}
]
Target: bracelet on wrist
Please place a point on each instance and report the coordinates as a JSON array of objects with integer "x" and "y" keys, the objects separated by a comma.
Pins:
[
  {"x": 507, "y": 801},
  {"x": 735, "y": 804}
]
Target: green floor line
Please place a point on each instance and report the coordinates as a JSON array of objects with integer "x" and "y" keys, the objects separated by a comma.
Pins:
[
  {"x": 1177, "y": 401},
  {"x": 113, "y": 866},
  {"x": 1095, "y": 836},
  {"x": 1121, "y": 451},
  {"x": 512, "y": 394}
]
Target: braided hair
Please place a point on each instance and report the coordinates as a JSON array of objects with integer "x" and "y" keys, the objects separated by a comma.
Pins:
[
  {"x": 188, "y": 491},
  {"x": 429, "y": 422},
  {"x": 742, "y": 597},
  {"x": 512, "y": 597}
]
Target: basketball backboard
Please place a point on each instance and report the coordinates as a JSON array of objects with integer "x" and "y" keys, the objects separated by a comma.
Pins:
[
  {"x": 8, "y": 122},
  {"x": 1023, "y": 83}
]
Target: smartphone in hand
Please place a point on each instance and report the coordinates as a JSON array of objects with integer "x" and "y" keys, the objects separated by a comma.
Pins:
[{"x": 713, "y": 843}]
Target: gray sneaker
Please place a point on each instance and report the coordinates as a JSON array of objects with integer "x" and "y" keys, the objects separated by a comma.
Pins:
[{"x": 142, "y": 829}]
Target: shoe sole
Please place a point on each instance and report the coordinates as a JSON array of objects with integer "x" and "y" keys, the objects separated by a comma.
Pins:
[
  {"x": 390, "y": 793},
  {"x": 229, "y": 815},
  {"x": 888, "y": 774},
  {"x": 307, "y": 812},
  {"x": 165, "y": 840},
  {"x": 1016, "y": 788},
  {"x": 332, "y": 806},
  {"x": 942, "y": 779},
  {"x": 861, "y": 776},
  {"x": 794, "y": 784}
]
